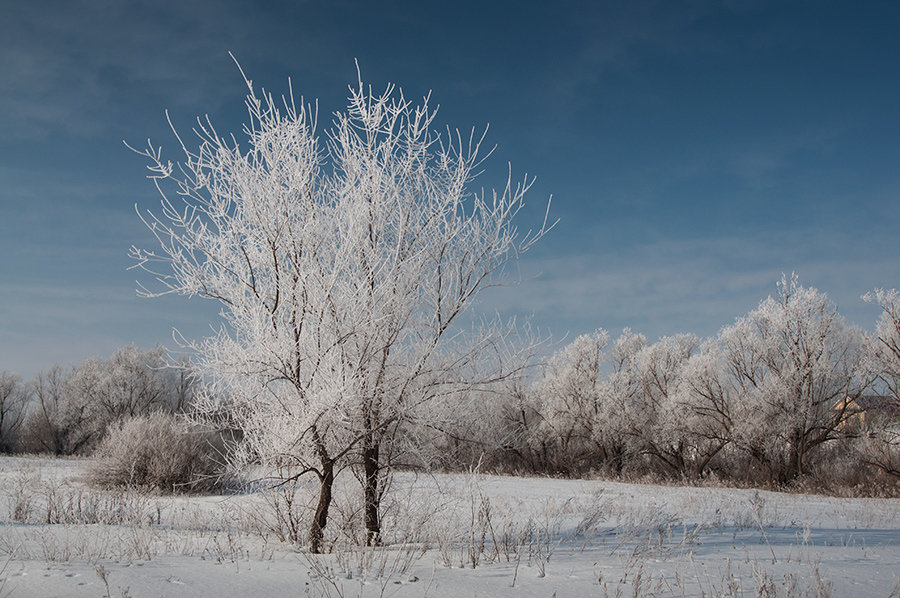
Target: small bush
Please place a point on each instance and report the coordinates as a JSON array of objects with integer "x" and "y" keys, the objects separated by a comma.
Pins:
[{"x": 159, "y": 451}]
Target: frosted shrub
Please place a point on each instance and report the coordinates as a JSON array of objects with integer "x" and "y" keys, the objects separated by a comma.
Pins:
[
  {"x": 879, "y": 450},
  {"x": 158, "y": 451}
]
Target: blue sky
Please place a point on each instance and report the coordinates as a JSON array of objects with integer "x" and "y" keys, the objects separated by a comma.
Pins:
[{"x": 694, "y": 150}]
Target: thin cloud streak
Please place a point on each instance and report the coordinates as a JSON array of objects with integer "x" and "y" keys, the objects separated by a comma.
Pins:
[
  {"x": 689, "y": 286},
  {"x": 89, "y": 321},
  {"x": 73, "y": 67}
]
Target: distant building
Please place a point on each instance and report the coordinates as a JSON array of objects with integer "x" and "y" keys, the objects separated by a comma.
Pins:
[{"x": 869, "y": 410}]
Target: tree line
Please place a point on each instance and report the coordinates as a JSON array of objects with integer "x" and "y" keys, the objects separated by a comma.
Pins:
[
  {"x": 788, "y": 394},
  {"x": 68, "y": 410}
]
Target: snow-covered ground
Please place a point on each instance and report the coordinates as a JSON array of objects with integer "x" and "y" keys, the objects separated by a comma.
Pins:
[{"x": 446, "y": 535}]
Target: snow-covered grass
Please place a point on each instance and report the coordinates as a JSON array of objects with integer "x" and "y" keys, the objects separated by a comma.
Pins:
[{"x": 445, "y": 535}]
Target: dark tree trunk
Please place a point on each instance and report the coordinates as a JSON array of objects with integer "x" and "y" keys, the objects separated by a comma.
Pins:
[
  {"x": 707, "y": 458},
  {"x": 371, "y": 469},
  {"x": 320, "y": 520},
  {"x": 794, "y": 467}
]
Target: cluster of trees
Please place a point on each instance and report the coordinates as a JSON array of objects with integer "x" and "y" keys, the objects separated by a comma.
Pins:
[
  {"x": 67, "y": 411},
  {"x": 772, "y": 399}
]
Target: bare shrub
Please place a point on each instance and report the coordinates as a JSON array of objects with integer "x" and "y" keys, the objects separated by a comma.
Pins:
[
  {"x": 878, "y": 450},
  {"x": 159, "y": 451},
  {"x": 35, "y": 500},
  {"x": 288, "y": 509},
  {"x": 13, "y": 398}
]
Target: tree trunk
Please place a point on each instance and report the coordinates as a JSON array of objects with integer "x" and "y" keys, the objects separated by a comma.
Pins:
[
  {"x": 794, "y": 467},
  {"x": 371, "y": 469},
  {"x": 320, "y": 520},
  {"x": 707, "y": 458}
]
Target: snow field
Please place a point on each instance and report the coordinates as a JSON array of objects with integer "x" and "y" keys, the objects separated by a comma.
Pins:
[{"x": 446, "y": 535}]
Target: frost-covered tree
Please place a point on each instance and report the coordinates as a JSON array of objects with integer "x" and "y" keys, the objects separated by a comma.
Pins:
[
  {"x": 518, "y": 422},
  {"x": 587, "y": 399},
  {"x": 59, "y": 420},
  {"x": 700, "y": 413},
  {"x": 652, "y": 420},
  {"x": 570, "y": 396},
  {"x": 885, "y": 344},
  {"x": 793, "y": 362},
  {"x": 880, "y": 447},
  {"x": 71, "y": 408},
  {"x": 13, "y": 397},
  {"x": 485, "y": 428},
  {"x": 130, "y": 383},
  {"x": 619, "y": 395},
  {"x": 342, "y": 269}
]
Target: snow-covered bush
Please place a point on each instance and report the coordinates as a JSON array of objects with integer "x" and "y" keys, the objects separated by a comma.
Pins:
[
  {"x": 879, "y": 449},
  {"x": 519, "y": 445},
  {"x": 764, "y": 402},
  {"x": 131, "y": 382},
  {"x": 617, "y": 450},
  {"x": 159, "y": 451},
  {"x": 583, "y": 401},
  {"x": 610, "y": 408}
]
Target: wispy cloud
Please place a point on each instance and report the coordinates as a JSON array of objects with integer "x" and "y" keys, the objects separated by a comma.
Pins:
[
  {"x": 695, "y": 286},
  {"x": 45, "y": 323},
  {"x": 76, "y": 65}
]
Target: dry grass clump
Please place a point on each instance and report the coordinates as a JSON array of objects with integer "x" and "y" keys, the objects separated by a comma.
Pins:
[{"x": 161, "y": 452}]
